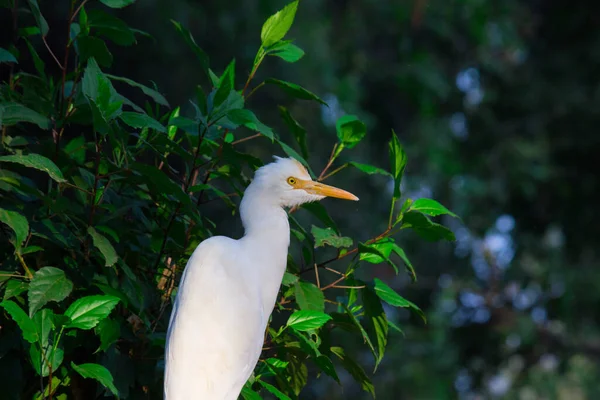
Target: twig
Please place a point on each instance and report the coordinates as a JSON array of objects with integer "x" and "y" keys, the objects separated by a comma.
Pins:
[
  {"x": 347, "y": 287},
  {"x": 335, "y": 171},
  {"x": 245, "y": 139},
  {"x": 22, "y": 261},
  {"x": 331, "y": 158},
  {"x": 255, "y": 89},
  {"x": 317, "y": 275},
  {"x": 52, "y": 53}
]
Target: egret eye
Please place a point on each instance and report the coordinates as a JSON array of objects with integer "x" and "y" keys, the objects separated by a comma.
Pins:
[{"x": 291, "y": 181}]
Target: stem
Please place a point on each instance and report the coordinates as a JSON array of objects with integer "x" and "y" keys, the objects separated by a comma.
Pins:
[
  {"x": 391, "y": 213},
  {"x": 317, "y": 275},
  {"x": 331, "y": 159},
  {"x": 27, "y": 270},
  {"x": 246, "y": 139},
  {"x": 257, "y": 61},
  {"x": 255, "y": 89},
  {"x": 52, "y": 53},
  {"x": 335, "y": 171}
]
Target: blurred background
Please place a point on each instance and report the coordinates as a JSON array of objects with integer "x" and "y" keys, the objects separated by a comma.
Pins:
[{"x": 498, "y": 105}]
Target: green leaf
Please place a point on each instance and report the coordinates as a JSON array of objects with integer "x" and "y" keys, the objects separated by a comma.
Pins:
[
  {"x": 92, "y": 47},
  {"x": 97, "y": 372},
  {"x": 44, "y": 322},
  {"x": 111, "y": 27},
  {"x": 38, "y": 162},
  {"x": 390, "y": 296},
  {"x": 189, "y": 39},
  {"x": 243, "y": 116},
  {"x": 273, "y": 390},
  {"x": 25, "y": 324},
  {"x": 105, "y": 247},
  {"x": 297, "y": 130},
  {"x": 295, "y": 90},
  {"x": 86, "y": 312},
  {"x": 48, "y": 284},
  {"x": 361, "y": 329},
  {"x": 326, "y": 366},
  {"x": 350, "y": 130},
  {"x": 7, "y": 57},
  {"x": 14, "y": 287},
  {"x": 397, "y": 163},
  {"x": 425, "y": 228},
  {"x": 226, "y": 84},
  {"x": 39, "y": 18},
  {"x": 13, "y": 113},
  {"x": 306, "y": 320},
  {"x": 293, "y": 154},
  {"x": 53, "y": 357},
  {"x": 287, "y": 51},
  {"x": 157, "y": 97},
  {"x": 109, "y": 331},
  {"x": 249, "y": 394},
  {"x": 17, "y": 223},
  {"x": 117, "y": 4},
  {"x": 278, "y": 24},
  {"x": 355, "y": 370},
  {"x": 376, "y": 321},
  {"x": 288, "y": 279},
  {"x": 139, "y": 120},
  {"x": 329, "y": 237},
  {"x": 409, "y": 268},
  {"x": 319, "y": 211},
  {"x": 309, "y": 296},
  {"x": 430, "y": 207},
  {"x": 369, "y": 169},
  {"x": 377, "y": 253}
]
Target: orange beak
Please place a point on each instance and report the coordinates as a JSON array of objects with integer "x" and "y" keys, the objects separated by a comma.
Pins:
[{"x": 321, "y": 189}]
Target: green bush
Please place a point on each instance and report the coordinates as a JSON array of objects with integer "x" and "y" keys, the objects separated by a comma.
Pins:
[{"x": 103, "y": 202}]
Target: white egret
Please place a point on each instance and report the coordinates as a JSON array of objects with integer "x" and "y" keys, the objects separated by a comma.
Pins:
[{"x": 229, "y": 288}]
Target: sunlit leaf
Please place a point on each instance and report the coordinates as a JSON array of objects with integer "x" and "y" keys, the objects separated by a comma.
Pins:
[
  {"x": 278, "y": 24},
  {"x": 430, "y": 207},
  {"x": 390, "y": 296},
  {"x": 86, "y": 312},
  {"x": 109, "y": 331},
  {"x": 306, "y": 320},
  {"x": 397, "y": 162},
  {"x": 273, "y": 390},
  {"x": 287, "y": 51}
]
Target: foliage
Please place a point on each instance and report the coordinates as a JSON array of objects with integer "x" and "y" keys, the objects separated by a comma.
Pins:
[{"x": 104, "y": 200}]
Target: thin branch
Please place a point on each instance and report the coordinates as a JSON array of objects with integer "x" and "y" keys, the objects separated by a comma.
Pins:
[
  {"x": 255, "y": 89},
  {"x": 347, "y": 287},
  {"x": 245, "y": 139},
  {"x": 52, "y": 53},
  {"x": 27, "y": 270},
  {"x": 317, "y": 275},
  {"x": 335, "y": 171},
  {"x": 331, "y": 158}
]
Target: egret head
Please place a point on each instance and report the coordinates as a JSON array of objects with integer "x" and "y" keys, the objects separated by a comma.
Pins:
[{"x": 287, "y": 183}]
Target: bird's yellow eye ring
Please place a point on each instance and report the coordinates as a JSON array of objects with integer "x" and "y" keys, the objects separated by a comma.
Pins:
[{"x": 291, "y": 180}]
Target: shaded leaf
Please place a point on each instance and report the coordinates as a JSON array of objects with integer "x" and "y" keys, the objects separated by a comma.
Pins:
[
  {"x": 14, "y": 287},
  {"x": 273, "y": 390},
  {"x": 39, "y": 18},
  {"x": 309, "y": 296},
  {"x": 361, "y": 329},
  {"x": 243, "y": 116},
  {"x": 117, "y": 4},
  {"x": 375, "y": 321},
  {"x": 357, "y": 372},
  {"x": 295, "y": 90},
  {"x": 44, "y": 322},
  {"x": 25, "y": 324},
  {"x": 13, "y": 113},
  {"x": 425, "y": 228},
  {"x": 48, "y": 284},
  {"x": 327, "y": 366},
  {"x": 53, "y": 359},
  {"x": 226, "y": 84},
  {"x": 156, "y": 96},
  {"x": 97, "y": 372},
  {"x": 397, "y": 162},
  {"x": 86, "y": 312},
  {"x": 139, "y": 120},
  {"x": 38, "y": 162},
  {"x": 306, "y": 320},
  {"x": 278, "y": 24},
  {"x": 17, "y": 223},
  {"x": 369, "y": 169},
  {"x": 249, "y": 394},
  {"x": 329, "y": 237},
  {"x": 111, "y": 27},
  {"x": 92, "y": 47},
  {"x": 189, "y": 39},
  {"x": 109, "y": 331},
  {"x": 106, "y": 248},
  {"x": 7, "y": 57},
  {"x": 297, "y": 130}
]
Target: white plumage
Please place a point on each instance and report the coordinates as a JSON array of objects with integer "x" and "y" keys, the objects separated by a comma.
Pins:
[{"x": 229, "y": 288}]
